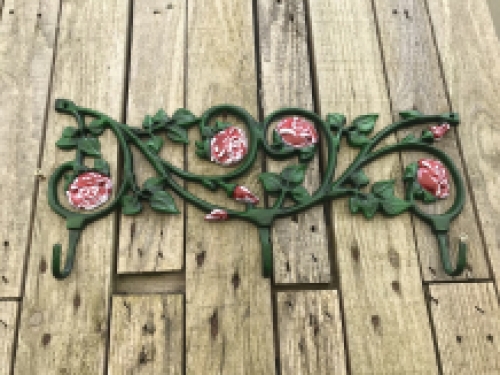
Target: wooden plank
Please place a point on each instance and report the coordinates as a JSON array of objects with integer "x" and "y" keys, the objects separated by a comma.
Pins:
[
  {"x": 286, "y": 82},
  {"x": 26, "y": 52},
  {"x": 310, "y": 333},
  {"x": 228, "y": 303},
  {"x": 153, "y": 241},
  {"x": 467, "y": 323},
  {"x": 63, "y": 327},
  {"x": 147, "y": 334},
  {"x": 386, "y": 320},
  {"x": 468, "y": 51},
  {"x": 415, "y": 81},
  {"x": 8, "y": 321}
]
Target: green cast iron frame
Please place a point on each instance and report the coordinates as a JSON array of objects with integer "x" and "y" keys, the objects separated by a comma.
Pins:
[{"x": 288, "y": 184}]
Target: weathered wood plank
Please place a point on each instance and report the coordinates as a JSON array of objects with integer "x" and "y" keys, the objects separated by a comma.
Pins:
[
  {"x": 286, "y": 82},
  {"x": 147, "y": 334},
  {"x": 467, "y": 323},
  {"x": 26, "y": 52},
  {"x": 387, "y": 324},
  {"x": 228, "y": 303},
  {"x": 310, "y": 333},
  {"x": 153, "y": 241},
  {"x": 468, "y": 51},
  {"x": 63, "y": 326},
  {"x": 415, "y": 81},
  {"x": 8, "y": 321}
]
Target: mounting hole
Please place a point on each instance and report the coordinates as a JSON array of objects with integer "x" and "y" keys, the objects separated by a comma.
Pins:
[
  {"x": 459, "y": 339},
  {"x": 313, "y": 228}
]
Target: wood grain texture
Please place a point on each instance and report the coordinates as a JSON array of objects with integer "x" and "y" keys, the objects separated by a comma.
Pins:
[
  {"x": 387, "y": 324},
  {"x": 228, "y": 303},
  {"x": 310, "y": 333},
  {"x": 63, "y": 327},
  {"x": 8, "y": 322},
  {"x": 468, "y": 51},
  {"x": 26, "y": 51},
  {"x": 286, "y": 82},
  {"x": 467, "y": 323},
  {"x": 147, "y": 335},
  {"x": 415, "y": 81},
  {"x": 152, "y": 241}
]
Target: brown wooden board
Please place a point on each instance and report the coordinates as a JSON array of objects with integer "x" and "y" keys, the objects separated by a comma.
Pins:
[
  {"x": 300, "y": 243},
  {"x": 310, "y": 333},
  {"x": 8, "y": 322},
  {"x": 152, "y": 241},
  {"x": 228, "y": 303},
  {"x": 63, "y": 327},
  {"x": 147, "y": 335},
  {"x": 467, "y": 45},
  {"x": 415, "y": 81},
  {"x": 27, "y": 33},
  {"x": 387, "y": 324},
  {"x": 467, "y": 322}
]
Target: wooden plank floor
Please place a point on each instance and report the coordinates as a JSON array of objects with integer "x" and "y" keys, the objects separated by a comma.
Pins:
[{"x": 156, "y": 294}]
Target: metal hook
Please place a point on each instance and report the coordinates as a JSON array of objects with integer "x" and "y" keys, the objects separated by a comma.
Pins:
[
  {"x": 445, "y": 255},
  {"x": 74, "y": 235}
]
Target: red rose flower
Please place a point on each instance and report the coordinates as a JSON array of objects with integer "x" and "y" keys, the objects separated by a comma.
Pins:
[
  {"x": 89, "y": 190},
  {"x": 440, "y": 130},
  {"x": 216, "y": 215},
  {"x": 297, "y": 132},
  {"x": 242, "y": 194},
  {"x": 228, "y": 146},
  {"x": 433, "y": 177}
]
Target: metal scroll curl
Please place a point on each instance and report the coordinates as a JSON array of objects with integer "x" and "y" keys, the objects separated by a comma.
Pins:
[{"x": 296, "y": 135}]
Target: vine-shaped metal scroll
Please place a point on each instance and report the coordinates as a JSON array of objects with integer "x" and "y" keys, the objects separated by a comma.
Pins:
[{"x": 297, "y": 134}]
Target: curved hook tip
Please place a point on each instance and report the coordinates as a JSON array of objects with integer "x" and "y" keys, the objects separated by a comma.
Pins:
[
  {"x": 56, "y": 263},
  {"x": 445, "y": 255}
]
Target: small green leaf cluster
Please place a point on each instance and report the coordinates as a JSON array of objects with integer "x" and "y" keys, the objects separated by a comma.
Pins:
[
  {"x": 360, "y": 128},
  {"x": 175, "y": 127},
  {"x": 415, "y": 189},
  {"x": 289, "y": 181},
  {"x": 152, "y": 190},
  {"x": 381, "y": 198}
]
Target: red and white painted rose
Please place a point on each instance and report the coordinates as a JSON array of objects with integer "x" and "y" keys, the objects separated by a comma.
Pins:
[
  {"x": 216, "y": 215},
  {"x": 228, "y": 146},
  {"x": 433, "y": 177},
  {"x": 297, "y": 132},
  {"x": 89, "y": 190},
  {"x": 440, "y": 130},
  {"x": 243, "y": 194}
]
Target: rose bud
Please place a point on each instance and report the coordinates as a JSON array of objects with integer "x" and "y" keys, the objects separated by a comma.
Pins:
[
  {"x": 433, "y": 177},
  {"x": 297, "y": 132},
  {"x": 89, "y": 190},
  {"x": 242, "y": 194},
  {"x": 216, "y": 215},
  {"x": 440, "y": 130},
  {"x": 228, "y": 146}
]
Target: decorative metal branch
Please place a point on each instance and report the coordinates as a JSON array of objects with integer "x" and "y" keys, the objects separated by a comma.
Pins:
[{"x": 296, "y": 134}]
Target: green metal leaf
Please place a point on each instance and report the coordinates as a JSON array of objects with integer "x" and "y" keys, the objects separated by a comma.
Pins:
[
  {"x": 356, "y": 139},
  {"x": 271, "y": 182},
  {"x": 147, "y": 123},
  {"x": 219, "y": 125},
  {"x": 359, "y": 179},
  {"x": 177, "y": 134},
  {"x": 395, "y": 206},
  {"x": 69, "y": 132},
  {"x": 410, "y": 172},
  {"x": 102, "y": 166},
  {"x": 209, "y": 184},
  {"x": 161, "y": 201},
  {"x": 410, "y": 114},
  {"x": 155, "y": 143},
  {"x": 299, "y": 194},
  {"x": 427, "y": 136},
  {"x": 153, "y": 184},
  {"x": 203, "y": 149},
  {"x": 423, "y": 195},
  {"x": 182, "y": 116},
  {"x": 96, "y": 127},
  {"x": 410, "y": 138},
  {"x": 160, "y": 117},
  {"x": 307, "y": 154},
  {"x": 353, "y": 205},
  {"x": 130, "y": 205},
  {"x": 365, "y": 123},
  {"x": 90, "y": 146},
  {"x": 383, "y": 189},
  {"x": 368, "y": 205},
  {"x": 277, "y": 140},
  {"x": 335, "y": 120},
  {"x": 67, "y": 143},
  {"x": 294, "y": 174}
]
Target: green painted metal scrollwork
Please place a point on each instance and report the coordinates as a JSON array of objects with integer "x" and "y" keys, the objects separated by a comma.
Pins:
[{"x": 297, "y": 134}]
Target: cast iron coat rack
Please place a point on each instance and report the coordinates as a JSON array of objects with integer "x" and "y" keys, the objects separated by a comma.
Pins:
[{"x": 296, "y": 135}]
